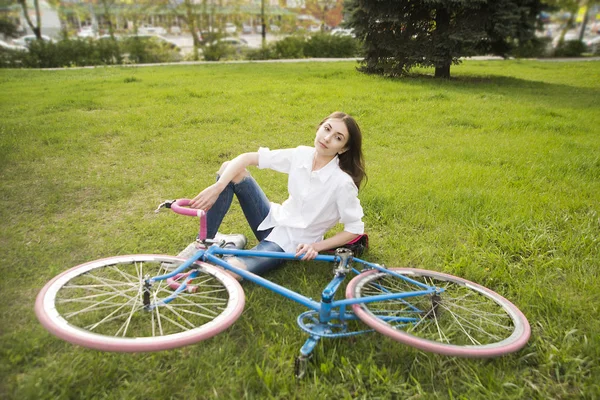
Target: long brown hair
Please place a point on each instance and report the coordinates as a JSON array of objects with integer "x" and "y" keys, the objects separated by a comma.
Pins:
[{"x": 352, "y": 161}]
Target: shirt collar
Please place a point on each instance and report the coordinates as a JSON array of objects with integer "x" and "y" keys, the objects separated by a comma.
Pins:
[{"x": 324, "y": 173}]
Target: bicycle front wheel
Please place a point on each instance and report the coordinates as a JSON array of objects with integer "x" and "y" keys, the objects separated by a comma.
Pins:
[
  {"x": 100, "y": 304},
  {"x": 465, "y": 319}
]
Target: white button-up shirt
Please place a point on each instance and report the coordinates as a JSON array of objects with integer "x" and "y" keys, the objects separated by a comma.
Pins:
[{"x": 318, "y": 199}]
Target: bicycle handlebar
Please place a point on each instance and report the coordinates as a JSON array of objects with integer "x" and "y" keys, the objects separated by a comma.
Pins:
[{"x": 180, "y": 207}]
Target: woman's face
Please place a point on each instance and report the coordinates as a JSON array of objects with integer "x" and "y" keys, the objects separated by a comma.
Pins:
[{"x": 332, "y": 137}]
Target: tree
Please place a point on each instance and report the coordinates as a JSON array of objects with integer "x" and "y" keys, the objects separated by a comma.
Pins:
[
  {"x": 37, "y": 28},
  {"x": 7, "y": 27},
  {"x": 401, "y": 34}
]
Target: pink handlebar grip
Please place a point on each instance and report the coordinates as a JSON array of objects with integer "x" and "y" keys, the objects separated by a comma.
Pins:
[{"x": 180, "y": 207}]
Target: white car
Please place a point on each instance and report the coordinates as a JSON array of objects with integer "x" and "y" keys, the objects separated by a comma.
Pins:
[
  {"x": 235, "y": 42},
  {"x": 593, "y": 44},
  {"x": 569, "y": 37},
  {"x": 25, "y": 40},
  {"x": 246, "y": 29},
  {"x": 86, "y": 32},
  {"x": 342, "y": 32},
  {"x": 230, "y": 28},
  {"x": 152, "y": 30},
  {"x": 8, "y": 46}
]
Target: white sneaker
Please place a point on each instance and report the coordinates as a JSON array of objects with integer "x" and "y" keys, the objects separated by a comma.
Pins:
[
  {"x": 191, "y": 249},
  {"x": 236, "y": 240}
]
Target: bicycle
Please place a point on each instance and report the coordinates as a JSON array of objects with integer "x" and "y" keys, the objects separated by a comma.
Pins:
[{"x": 138, "y": 303}]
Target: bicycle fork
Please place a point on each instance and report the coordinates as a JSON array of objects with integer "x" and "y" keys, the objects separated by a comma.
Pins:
[{"x": 322, "y": 327}]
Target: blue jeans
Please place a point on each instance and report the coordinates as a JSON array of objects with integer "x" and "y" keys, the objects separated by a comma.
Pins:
[{"x": 255, "y": 206}]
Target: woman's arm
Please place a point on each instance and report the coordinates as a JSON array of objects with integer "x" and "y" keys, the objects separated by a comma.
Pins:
[
  {"x": 206, "y": 198},
  {"x": 311, "y": 250}
]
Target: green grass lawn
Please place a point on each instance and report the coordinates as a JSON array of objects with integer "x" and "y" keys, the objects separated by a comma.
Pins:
[{"x": 493, "y": 176}]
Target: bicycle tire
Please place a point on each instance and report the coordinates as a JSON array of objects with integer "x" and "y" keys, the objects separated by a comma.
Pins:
[
  {"x": 481, "y": 323},
  {"x": 86, "y": 304}
]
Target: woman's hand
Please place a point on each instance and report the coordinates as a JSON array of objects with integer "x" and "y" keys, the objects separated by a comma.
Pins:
[
  {"x": 206, "y": 198},
  {"x": 308, "y": 250}
]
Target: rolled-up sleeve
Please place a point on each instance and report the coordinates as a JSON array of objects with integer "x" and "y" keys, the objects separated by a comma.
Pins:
[
  {"x": 351, "y": 212},
  {"x": 277, "y": 160}
]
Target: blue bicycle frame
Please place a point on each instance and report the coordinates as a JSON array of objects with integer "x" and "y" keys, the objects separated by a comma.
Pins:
[{"x": 327, "y": 309}]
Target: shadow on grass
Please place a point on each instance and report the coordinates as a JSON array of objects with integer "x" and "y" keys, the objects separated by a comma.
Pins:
[{"x": 550, "y": 94}]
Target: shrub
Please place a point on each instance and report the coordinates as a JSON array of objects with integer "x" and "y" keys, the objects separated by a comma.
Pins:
[
  {"x": 217, "y": 51},
  {"x": 537, "y": 47},
  {"x": 144, "y": 50},
  {"x": 264, "y": 53},
  {"x": 77, "y": 52},
  {"x": 290, "y": 47},
  {"x": 323, "y": 45},
  {"x": 572, "y": 48}
]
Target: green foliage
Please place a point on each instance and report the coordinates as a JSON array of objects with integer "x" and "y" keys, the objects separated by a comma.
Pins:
[
  {"x": 10, "y": 58},
  {"x": 400, "y": 35},
  {"x": 7, "y": 26},
  {"x": 65, "y": 53},
  {"x": 144, "y": 50},
  {"x": 319, "y": 45},
  {"x": 290, "y": 47},
  {"x": 571, "y": 48},
  {"x": 534, "y": 48},
  {"x": 218, "y": 51},
  {"x": 324, "y": 45},
  {"x": 84, "y": 52},
  {"x": 493, "y": 176},
  {"x": 263, "y": 53}
]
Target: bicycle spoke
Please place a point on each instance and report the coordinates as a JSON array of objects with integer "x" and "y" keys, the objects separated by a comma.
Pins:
[
  {"x": 480, "y": 315},
  {"x": 126, "y": 325},
  {"x": 469, "y": 323},
  {"x": 160, "y": 329},
  {"x": 179, "y": 315},
  {"x": 104, "y": 301},
  {"x": 110, "y": 317},
  {"x": 124, "y": 275}
]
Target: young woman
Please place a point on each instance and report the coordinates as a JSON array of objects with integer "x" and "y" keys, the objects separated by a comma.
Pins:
[{"x": 323, "y": 190}]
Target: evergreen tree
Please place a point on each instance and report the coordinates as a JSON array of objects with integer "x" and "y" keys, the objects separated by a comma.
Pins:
[{"x": 401, "y": 34}]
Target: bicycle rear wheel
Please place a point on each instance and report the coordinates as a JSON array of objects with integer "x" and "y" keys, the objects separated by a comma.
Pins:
[
  {"x": 100, "y": 305},
  {"x": 466, "y": 319}
]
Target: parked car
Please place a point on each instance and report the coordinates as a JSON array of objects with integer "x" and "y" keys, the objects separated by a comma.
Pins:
[
  {"x": 175, "y": 30},
  {"x": 246, "y": 29},
  {"x": 258, "y": 29},
  {"x": 86, "y": 32},
  {"x": 230, "y": 28},
  {"x": 25, "y": 40},
  {"x": 314, "y": 28},
  {"x": 569, "y": 37},
  {"x": 7, "y": 46},
  {"x": 593, "y": 45},
  {"x": 235, "y": 42},
  {"x": 274, "y": 28},
  {"x": 342, "y": 32},
  {"x": 152, "y": 30}
]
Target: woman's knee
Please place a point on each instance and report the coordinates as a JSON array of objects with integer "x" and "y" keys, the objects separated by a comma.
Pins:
[{"x": 236, "y": 179}]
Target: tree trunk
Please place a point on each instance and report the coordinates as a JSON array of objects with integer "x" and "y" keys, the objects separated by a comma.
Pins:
[
  {"x": 443, "y": 72},
  {"x": 442, "y": 25},
  {"x": 191, "y": 21},
  {"x": 37, "y": 29},
  {"x": 108, "y": 18}
]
